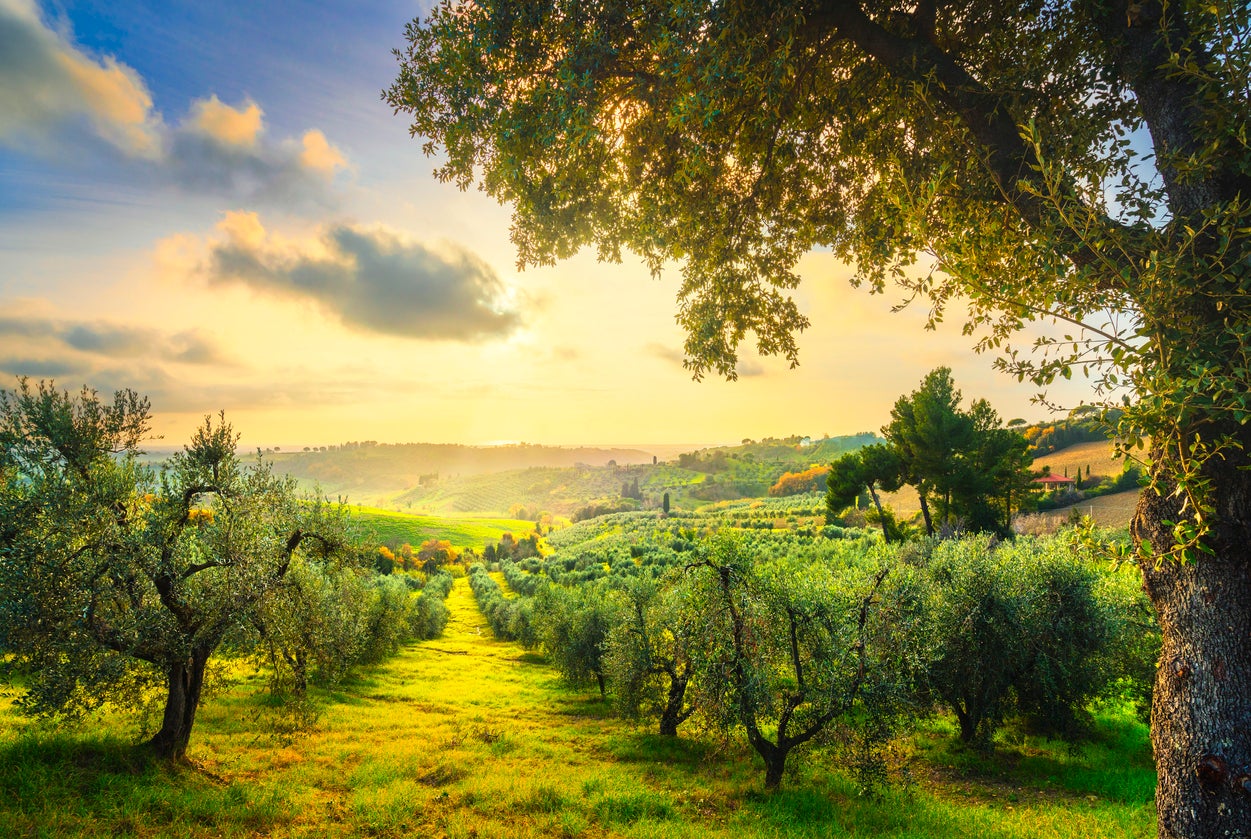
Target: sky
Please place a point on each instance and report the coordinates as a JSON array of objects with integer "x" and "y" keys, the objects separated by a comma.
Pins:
[{"x": 210, "y": 204}]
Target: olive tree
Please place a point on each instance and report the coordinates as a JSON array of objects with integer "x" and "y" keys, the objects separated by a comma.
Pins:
[
  {"x": 1020, "y": 627},
  {"x": 648, "y": 652},
  {"x": 787, "y": 648},
  {"x": 116, "y": 579},
  {"x": 988, "y": 153},
  {"x": 572, "y": 624}
]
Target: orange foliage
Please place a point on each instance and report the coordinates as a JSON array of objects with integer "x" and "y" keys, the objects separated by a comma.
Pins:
[
  {"x": 436, "y": 552},
  {"x": 793, "y": 483}
]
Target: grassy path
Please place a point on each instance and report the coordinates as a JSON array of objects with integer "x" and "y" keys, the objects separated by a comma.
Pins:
[{"x": 466, "y": 736}]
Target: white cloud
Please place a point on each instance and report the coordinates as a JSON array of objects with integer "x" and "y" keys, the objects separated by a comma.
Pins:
[
  {"x": 48, "y": 88},
  {"x": 373, "y": 280},
  {"x": 56, "y": 100},
  {"x": 239, "y": 127}
]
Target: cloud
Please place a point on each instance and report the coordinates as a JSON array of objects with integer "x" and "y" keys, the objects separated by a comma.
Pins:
[
  {"x": 179, "y": 371},
  {"x": 56, "y": 99},
  {"x": 47, "y": 85},
  {"x": 746, "y": 368},
  {"x": 319, "y": 155},
  {"x": 175, "y": 369},
  {"x": 240, "y": 127},
  {"x": 171, "y": 392},
  {"x": 60, "y": 341},
  {"x": 226, "y": 150},
  {"x": 39, "y": 368},
  {"x": 371, "y": 279},
  {"x": 665, "y": 352}
]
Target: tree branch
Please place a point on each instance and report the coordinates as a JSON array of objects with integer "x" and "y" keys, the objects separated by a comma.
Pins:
[{"x": 1008, "y": 159}]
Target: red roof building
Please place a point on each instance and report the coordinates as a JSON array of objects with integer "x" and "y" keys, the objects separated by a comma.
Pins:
[{"x": 1053, "y": 480}]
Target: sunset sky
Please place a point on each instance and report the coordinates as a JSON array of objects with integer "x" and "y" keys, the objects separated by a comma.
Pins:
[{"x": 212, "y": 206}]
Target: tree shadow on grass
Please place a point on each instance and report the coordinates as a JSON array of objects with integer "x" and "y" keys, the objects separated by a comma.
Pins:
[
  {"x": 1113, "y": 763},
  {"x": 53, "y": 783},
  {"x": 655, "y": 748}
]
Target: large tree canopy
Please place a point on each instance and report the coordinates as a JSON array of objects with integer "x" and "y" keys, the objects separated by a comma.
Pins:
[{"x": 989, "y": 152}]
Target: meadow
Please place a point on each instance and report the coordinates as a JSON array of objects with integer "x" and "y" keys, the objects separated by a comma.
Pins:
[
  {"x": 387, "y": 527},
  {"x": 468, "y": 736}
]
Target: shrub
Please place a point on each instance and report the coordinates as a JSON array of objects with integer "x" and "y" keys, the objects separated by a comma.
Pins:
[{"x": 1014, "y": 627}]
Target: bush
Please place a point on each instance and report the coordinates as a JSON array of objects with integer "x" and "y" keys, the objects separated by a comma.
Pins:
[
  {"x": 1014, "y": 627},
  {"x": 499, "y": 611},
  {"x": 573, "y": 626},
  {"x": 427, "y": 616}
]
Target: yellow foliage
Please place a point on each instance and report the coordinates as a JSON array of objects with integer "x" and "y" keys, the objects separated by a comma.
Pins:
[{"x": 200, "y": 516}]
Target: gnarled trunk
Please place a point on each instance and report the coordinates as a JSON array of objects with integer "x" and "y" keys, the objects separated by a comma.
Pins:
[
  {"x": 775, "y": 767},
  {"x": 673, "y": 715},
  {"x": 1201, "y": 708},
  {"x": 185, "y": 682},
  {"x": 773, "y": 755}
]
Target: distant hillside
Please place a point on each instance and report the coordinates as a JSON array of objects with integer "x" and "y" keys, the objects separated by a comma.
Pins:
[
  {"x": 1094, "y": 456},
  {"x": 551, "y": 490},
  {"x": 1082, "y": 426},
  {"x": 374, "y": 473},
  {"x": 693, "y": 479},
  {"x": 396, "y": 529}
]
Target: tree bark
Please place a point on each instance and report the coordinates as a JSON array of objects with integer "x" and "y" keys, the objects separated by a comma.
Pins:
[
  {"x": 881, "y": 514},
  {"x": 1201, "y": 707},
  {"x": 775, "y": 767},
  {"x": 925, "y": 514},
  {"x": 673, "y": 716},
  {"x": 968, "y": 728},
  {"x": 773, "y": 754},
  {"x": 185, "y": 683}
]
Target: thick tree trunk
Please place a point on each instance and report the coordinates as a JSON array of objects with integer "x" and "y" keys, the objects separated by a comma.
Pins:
[
  {"x": 774, "y": 756},
  {"x": 186, "y": 680},
  {"x": 1201, "y": 708},
  {"x": 775, "y": 767},
  {"x": 672, "y": 715},
  {"x": 968, "y": 728}
]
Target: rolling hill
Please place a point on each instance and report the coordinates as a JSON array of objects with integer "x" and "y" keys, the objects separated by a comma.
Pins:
[{"x": 374, "y": 473}]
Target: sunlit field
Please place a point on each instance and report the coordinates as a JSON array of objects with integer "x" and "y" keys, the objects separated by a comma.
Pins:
[
  {"x": 387, "y": 527},
  {"x": 467, "y": 736}
]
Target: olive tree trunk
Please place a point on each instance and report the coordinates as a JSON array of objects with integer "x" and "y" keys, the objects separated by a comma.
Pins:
[
  {"x": 1201, "y": 707},
  {"x": 185, "y": 683},
  {"x": 674, "y": 714}
]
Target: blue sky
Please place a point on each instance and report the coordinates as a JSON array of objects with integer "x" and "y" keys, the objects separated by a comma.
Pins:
[{"x": 209, "y": 203}]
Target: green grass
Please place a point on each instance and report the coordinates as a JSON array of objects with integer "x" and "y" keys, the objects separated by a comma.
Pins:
[
  {"x": 390, "y": 527},
  {"x": 466, "y": 736}
]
